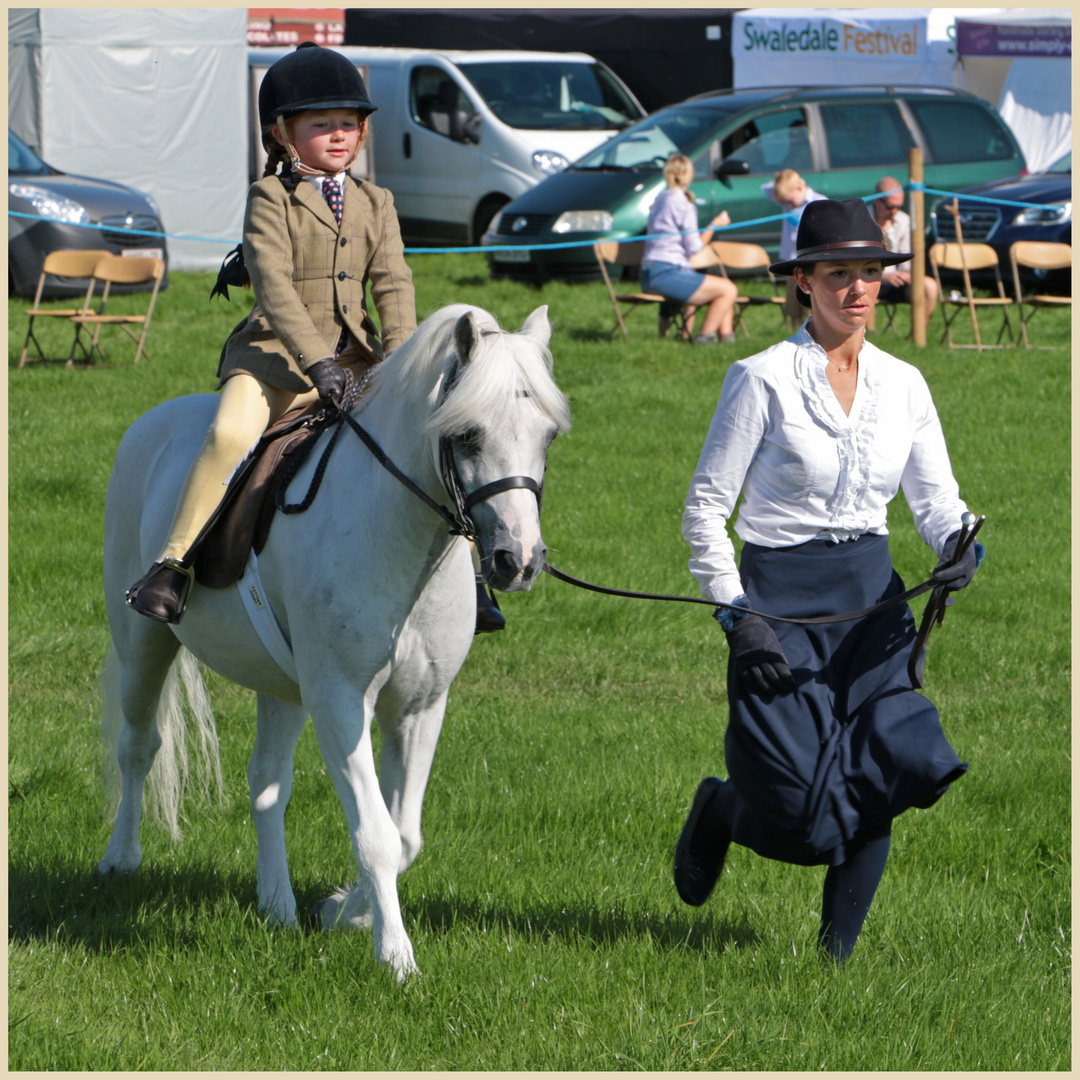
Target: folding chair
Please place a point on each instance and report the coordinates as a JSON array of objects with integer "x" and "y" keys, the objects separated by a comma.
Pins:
[
  {"x": 1037, "y": 255},
  {"x": 965, "y": 258},
  {"x": 739, "y": 255},
  {"x": 611, "y": 253},
  {"x": 65, "y": 264},
  {"x": 121, "y": 270}
]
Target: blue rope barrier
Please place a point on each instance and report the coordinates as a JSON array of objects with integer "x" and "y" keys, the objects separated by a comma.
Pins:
[{"x": 566, "y": 245}]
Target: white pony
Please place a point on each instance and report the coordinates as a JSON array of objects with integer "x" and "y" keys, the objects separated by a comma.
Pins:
[{"x": 374, "y": 594}]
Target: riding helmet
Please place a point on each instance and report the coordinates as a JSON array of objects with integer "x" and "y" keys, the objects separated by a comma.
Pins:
[{"x": 311, "y": 77}]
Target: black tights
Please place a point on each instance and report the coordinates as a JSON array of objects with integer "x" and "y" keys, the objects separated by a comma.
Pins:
[{"x": 849, "y": 888}]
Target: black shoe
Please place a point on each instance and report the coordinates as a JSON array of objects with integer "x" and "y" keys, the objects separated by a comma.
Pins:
[
  {"x": 488, "y": 616},
  {"x": 162, "y": 592},
  {"x": 699, "y": 854}
]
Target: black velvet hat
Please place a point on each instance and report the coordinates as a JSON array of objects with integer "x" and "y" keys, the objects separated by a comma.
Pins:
[
  {"x": 832, "y": 230},
  {"x": 311, "y": 77}
]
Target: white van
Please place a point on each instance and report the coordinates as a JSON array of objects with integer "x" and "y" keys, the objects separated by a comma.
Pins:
[{"x": 459, "y": 134}]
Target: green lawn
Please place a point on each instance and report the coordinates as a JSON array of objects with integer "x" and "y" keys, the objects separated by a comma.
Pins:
[{"x": 542, "y": 910}]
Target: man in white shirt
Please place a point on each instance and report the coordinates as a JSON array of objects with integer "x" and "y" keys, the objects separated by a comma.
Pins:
[{"x": 896, "y": 280}]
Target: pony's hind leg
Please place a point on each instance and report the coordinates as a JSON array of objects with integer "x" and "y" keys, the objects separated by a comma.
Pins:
[
  {"x": 136, "y": 675},
  {"x": 270, "y": 773},
  {"x": 408, "y": 750}
]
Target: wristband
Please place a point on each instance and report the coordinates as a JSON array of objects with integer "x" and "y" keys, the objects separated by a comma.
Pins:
[{"x": 726, "y": 617}]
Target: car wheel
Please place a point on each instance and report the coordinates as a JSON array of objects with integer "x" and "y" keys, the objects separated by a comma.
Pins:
[{"x": 485, "y": 214}]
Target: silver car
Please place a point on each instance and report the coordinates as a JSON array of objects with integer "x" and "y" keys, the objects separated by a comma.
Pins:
[{"x": 56, "y": 206}]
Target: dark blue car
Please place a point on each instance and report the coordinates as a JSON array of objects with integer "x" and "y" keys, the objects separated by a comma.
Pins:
[{"x": 1001, "y": 226}]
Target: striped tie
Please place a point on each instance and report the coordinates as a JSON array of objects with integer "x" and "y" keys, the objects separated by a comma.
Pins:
[{"x": 331, "y": 190}]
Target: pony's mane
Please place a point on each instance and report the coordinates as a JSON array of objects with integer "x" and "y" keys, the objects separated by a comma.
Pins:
[{"x": 505, "y": 367}]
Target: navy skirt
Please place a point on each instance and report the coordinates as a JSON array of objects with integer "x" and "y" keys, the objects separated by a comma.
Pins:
[{"x": 823, "y": 768}]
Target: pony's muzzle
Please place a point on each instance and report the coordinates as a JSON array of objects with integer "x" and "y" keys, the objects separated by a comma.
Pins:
[{"x": 509, "y": 571}]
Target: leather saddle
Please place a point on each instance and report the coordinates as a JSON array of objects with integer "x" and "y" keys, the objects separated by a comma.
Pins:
[{"x": 242, "y": 521}]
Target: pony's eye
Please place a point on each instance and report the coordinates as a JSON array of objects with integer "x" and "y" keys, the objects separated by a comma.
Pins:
[{"x": 469, "y": 439}]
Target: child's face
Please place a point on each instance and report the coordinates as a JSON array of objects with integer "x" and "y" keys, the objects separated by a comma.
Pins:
[
  {"x": 325, "y": 138},
  {"x": 795, "y": 197}
]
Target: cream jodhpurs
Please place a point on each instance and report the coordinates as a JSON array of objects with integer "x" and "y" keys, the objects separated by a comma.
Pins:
[{"x": 246, "y": 408}]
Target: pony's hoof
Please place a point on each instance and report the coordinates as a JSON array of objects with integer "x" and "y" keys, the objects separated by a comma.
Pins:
[
  {"x": 105, "y": 868},
  {"x": 340, "y": 912}
]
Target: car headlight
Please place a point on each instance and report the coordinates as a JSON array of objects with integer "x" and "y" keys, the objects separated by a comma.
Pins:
[
  {"x": 549, "y": 162},
  {"x": 583, "y": 221},
  {"x": 1050, "y": 214},
  {"x": 50, "y": 205}
]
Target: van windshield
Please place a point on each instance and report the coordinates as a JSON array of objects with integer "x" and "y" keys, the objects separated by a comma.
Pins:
[
  {"x": 553, "y": 95},
  {"x": 648, "y": 144}
]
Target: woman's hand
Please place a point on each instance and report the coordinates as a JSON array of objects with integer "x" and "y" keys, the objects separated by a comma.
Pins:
[
  {"x": 957, "y": 575},
  {"x": 721, "y": 219},
  {"x": 758, "y": 658}
]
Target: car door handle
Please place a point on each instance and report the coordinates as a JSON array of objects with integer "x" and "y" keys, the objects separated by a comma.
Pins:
[{"x": 406, "y": 144}]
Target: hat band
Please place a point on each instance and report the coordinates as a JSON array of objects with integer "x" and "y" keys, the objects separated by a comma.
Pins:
[{"x": 803, "y": 252}]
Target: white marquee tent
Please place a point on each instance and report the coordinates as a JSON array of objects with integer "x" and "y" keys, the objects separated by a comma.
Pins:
[{"x": 151, "y": 97}]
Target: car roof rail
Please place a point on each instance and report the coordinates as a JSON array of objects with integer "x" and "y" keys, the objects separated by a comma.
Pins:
[{"x": 782, "y": 93}]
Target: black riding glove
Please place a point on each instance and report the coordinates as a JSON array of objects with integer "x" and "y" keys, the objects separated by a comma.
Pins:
[
  {"x": 959, "y": 575},
  {"x": 758, "y": 658},
  {"x": 328, "y": 377}
]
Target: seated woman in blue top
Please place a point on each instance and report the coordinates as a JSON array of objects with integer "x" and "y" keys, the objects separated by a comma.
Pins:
[{"x": 667, "y": 268}]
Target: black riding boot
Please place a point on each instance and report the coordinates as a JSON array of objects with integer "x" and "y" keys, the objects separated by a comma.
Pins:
[
  {"x": 162, "y": 592},
  {"x": 488, "y": 616}
]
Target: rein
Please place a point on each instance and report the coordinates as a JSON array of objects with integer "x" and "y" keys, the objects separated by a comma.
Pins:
[{"x": 460, "y": 524}]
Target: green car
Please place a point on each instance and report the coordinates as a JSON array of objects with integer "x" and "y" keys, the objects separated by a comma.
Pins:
[{"x": 842, "y": 141}]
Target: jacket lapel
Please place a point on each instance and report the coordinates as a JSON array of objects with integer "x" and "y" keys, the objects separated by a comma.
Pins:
[
  {"x": 312, "y": 198},
  {"x": 350, "y": 218}
]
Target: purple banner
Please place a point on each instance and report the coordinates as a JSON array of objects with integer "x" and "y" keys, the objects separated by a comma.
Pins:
[{"x": 990, "y": 39}]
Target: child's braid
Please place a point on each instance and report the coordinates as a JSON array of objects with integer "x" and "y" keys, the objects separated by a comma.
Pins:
[{"x": 275, "y": 157}]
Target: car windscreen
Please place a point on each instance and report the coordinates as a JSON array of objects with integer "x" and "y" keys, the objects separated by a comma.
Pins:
[
  {"x": 649, "y": 143},
  {"x": 21, "y": 159},
  {"x": 553, "y": 95},
  {"x": 1062, "y": 165}
]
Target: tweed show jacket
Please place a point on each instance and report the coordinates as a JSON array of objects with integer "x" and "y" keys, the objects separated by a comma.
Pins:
[{"x": 310, "y": 274}]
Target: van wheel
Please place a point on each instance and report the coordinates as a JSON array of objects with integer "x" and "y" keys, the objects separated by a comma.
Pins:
[{"x": 485, "y": 214}]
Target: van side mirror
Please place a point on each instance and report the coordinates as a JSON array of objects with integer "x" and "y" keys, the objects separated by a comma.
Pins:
[{"x": 471, "y": 129}]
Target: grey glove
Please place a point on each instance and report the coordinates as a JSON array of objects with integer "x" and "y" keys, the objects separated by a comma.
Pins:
[
  {"x": 959, "y": 575},
  {"x": 759, "y": 660},
  {"x": 328, "y": 377}
]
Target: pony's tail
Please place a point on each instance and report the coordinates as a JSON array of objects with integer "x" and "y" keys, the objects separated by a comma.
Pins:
[{"x": 173, "y": 773}]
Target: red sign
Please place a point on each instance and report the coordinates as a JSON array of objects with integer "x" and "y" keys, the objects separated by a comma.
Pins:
[{"x": 291, "y": 26}]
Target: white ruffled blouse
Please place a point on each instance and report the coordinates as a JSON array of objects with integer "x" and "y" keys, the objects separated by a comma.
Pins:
[{"x": 808, "y": 471}]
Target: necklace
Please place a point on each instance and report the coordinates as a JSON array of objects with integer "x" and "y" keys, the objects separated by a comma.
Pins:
[{"x": 838, "y": 367}]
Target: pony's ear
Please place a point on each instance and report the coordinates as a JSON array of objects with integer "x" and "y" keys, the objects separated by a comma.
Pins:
[
  {"x": 537, "y": 326},
  {"x": 465, "y": 337}
]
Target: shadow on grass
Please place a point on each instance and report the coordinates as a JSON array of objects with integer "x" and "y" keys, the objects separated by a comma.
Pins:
[
  {"x": 696, "y": 931},
  {"x": 69, "y": 902}
]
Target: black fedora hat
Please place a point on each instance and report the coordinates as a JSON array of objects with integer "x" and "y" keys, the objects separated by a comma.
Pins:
[{"x": 832, "y": 230}]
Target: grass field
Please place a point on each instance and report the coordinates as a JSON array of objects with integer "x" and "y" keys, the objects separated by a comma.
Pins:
[{"x": 542, "y": 910}]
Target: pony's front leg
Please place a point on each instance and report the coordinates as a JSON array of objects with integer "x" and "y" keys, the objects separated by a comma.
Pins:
[
  {"x": 344, "y": 736},
  {"x": 270, "y": 774},
  {"x": 408, "y": 750}
]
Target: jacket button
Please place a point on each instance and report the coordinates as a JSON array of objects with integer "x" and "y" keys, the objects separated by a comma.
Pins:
[
  {"x": 342, "y": 275},
  {"x": 343, "y": 241},
  {"x": 344, "y": 309}
]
